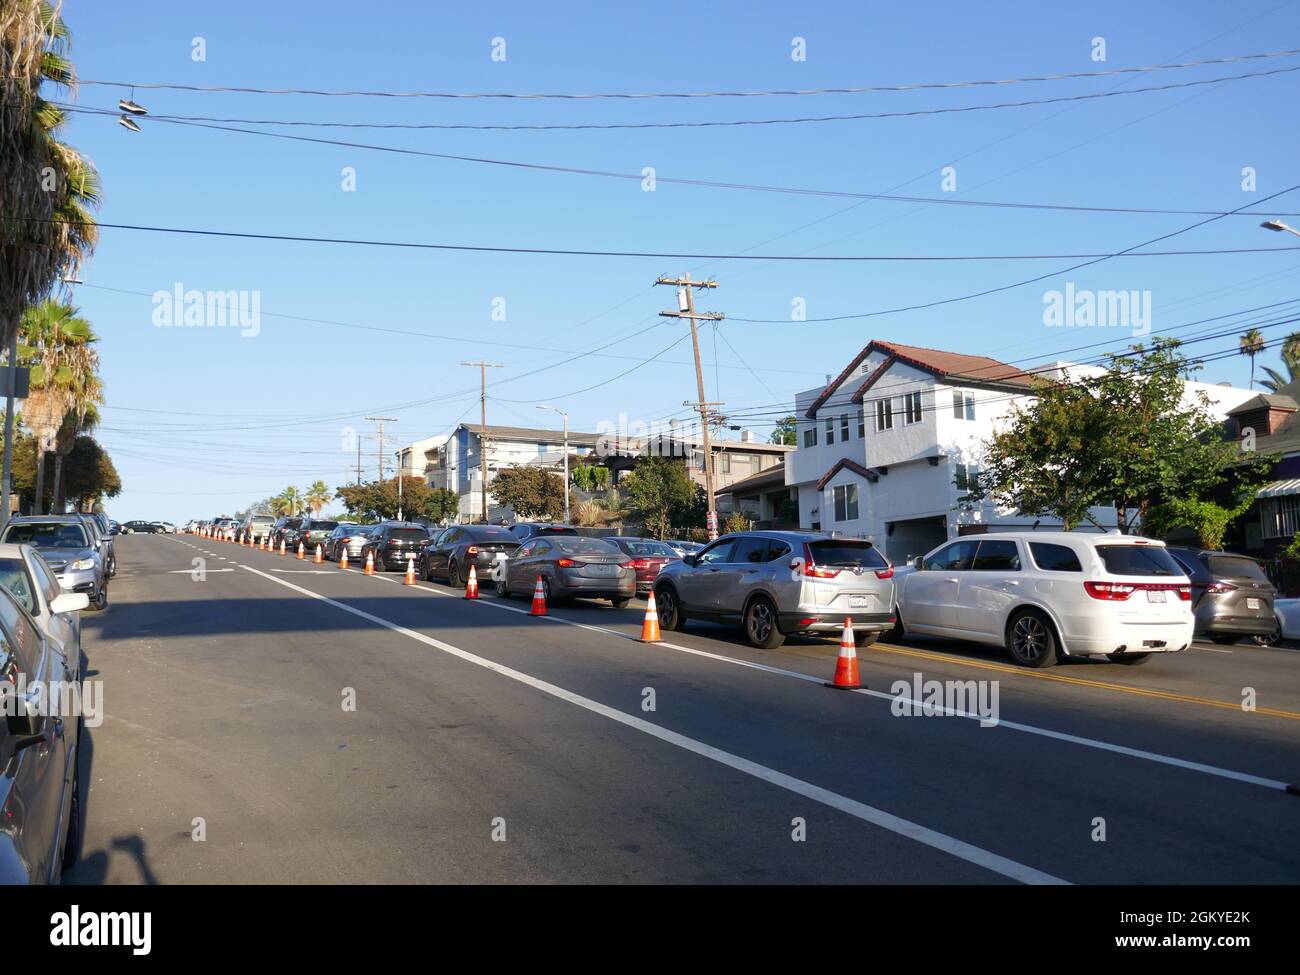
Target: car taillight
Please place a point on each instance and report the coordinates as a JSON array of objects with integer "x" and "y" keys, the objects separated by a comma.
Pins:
[
  {"x": 569, "y": 564},
  {"x": 886, "y": 573},
  {"x": 637, "y": 563},
  {"x": 472, "y": 550},
  {"x": 1109, "y": 590},
  {"x": 1219, "y": 588}
]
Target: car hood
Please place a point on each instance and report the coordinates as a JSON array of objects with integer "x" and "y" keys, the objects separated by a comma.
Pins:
[{"x": 64, "y": 556}]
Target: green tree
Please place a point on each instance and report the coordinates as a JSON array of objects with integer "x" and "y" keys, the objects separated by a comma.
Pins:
[
  {"x": 531, "y": 491},
  {"x": 1123, "y": 439},
  {"x": 377, "y": 500},
  {"x": 318, "y": 496},
  {"x": 655, "y": 489},
  {"x": 1208, "y": 519},
  {"x": 786, "y": 431}
]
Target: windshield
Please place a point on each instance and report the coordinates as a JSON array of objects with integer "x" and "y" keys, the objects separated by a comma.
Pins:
[
  {"x": 48, "y": 535},
  {"x": 1235, "y": 567},
  {"x": 1138, "y": 560},
  {"x": 649, "y": 550},
  {"x": 577, "y": 545},
  {"x": 408, "y": 534},
  {"x": 322, "y": 526},
  {"x": 13, "y": 576},
  {"x": 843, "y": 552}
]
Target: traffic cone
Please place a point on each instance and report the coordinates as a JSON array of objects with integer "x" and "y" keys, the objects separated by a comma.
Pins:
[
  {"x": 343, "y": 558},
  {"x": 283, "y": 550},
  {"x": 650, "y": 625},
  {"x": 410, "y": 571},
  {"x": 319, "y": 557},
  {"x": 302, "y": 554},
  {"x": 370, "y": 563},
  {"x": 539, "y": 600},
  {"x": 471, "y": 587},
  {"x": 846, "y": 666}
]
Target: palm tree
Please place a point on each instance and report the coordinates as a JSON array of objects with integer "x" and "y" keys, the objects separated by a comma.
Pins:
[
  {"x": 56, "y": 346},
  {"x": 318, "y": 496},
  {"x": 291, "y": 498},
  {"x": 1252, "y": 344},
  {"x": 46, "y": 198}
]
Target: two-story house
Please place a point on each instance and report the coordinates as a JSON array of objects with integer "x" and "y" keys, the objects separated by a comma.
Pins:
[{"x": 887, "y": 448}]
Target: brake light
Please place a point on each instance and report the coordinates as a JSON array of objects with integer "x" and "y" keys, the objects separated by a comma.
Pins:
[
  {"x": 886, "y": 573},
  {"x": 472, "y": 550},
  {"x": 1117, "y": 591},
  {"x": 569, "y": 564},
  {"x": 637, "y": 563},
  {"x": 1219, "y": 588}
]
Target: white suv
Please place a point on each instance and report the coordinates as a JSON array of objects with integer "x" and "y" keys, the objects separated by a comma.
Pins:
[{"x": 1047, "y": 594}]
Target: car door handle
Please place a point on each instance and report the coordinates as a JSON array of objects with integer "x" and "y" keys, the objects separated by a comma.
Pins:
[
  {"x": 1011, "y": 582},
  {"x": 953, "y": 579}
]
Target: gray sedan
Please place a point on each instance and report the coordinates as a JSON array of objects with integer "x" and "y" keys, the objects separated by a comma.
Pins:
[
  {"x": 65, "y": 543},
  {"x": 569, "y": 565}
]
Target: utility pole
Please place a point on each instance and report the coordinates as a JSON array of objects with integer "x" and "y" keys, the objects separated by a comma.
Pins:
[
  {"x": 483, "y": 367},
  {"x": 381, "y": 420},
  {"x": 686, "y": 309}
]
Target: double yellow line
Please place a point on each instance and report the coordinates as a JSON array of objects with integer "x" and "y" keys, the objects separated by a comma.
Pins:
[{"x": 1082, "y": 681}]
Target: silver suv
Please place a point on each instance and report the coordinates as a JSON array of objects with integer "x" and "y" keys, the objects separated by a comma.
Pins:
[{"x": 777, "y": 583}]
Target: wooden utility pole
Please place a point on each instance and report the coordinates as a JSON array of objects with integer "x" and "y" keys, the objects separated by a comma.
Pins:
[
  {"x": 686, "y": 309},
  {"x": 381, "y": 420},
  {"x": 483, "y": 367}
]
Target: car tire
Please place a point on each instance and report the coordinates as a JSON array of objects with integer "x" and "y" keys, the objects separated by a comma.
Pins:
[
  {"x": 1031, "y": 641},
  {"x": 72, "y": 840},
  {"x": 502, "y": 587},
  {"x": 1224, "y": 638},
  {"x": 865, "y": 638},
  {"x": 1132, "y": 659},
  {"x": 453, "y": 576},
  {"x": 621, "y": 602},
  {"x": 898, "y": 630},
  {"x": 1267, "y": 639},
  {"x": 669, "y": 609},
  {"x": 760, "y": 624},
  {"x": 100, "y": 602}
]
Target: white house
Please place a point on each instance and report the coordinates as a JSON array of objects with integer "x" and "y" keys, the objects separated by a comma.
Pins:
[{"x": 885, "y": 448}]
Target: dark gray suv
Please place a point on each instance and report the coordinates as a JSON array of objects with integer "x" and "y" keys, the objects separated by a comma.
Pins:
[
  {"x": 1232, "y": 596},
  {"x": 776, "y": 583}
]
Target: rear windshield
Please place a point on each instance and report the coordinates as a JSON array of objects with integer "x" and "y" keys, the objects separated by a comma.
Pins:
[
  {"x": 1236, "y": 567},
  {"x": 843, "y": 552},
  {"x": 490, "y": 535},
  {"x": 1138, "y": 560},
  {"x": 262, "y": 520},
  {"x": 316, "y": 526},
  {"x": 649, "y": 550},
  {"x": 408, "y": 534},
  {"x": 48, "y": 536},
  {"x": 578, "y": 545}
]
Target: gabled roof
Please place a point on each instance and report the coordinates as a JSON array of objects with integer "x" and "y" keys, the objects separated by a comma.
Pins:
[
  {"x": 852, "y": 465},
  {"x": 1274, "y": 401},
  {"x": 774, "y": 476},
  {"x": 975, "y": 370}
]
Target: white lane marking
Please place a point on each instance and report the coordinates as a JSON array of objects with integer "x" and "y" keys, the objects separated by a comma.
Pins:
[
  {"x": 192, "y": 571},
  {"x": 868, "y": 814},
  {"x": 1105, "y": 746}
]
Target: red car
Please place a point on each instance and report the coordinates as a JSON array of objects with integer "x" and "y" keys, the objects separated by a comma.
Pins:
[{"x": 648, "y": 557}]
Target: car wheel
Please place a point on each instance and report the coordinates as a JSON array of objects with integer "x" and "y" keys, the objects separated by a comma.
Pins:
[
  {"x": 1030, "y": 640},
  {"x": 1132, "y": 659},
  {"x": 72, "y": 841},
  {"x": 453, "y": 576},
  {"x": 100, "y": 602},
  {"x": 669, "y": 608},
  {"x": 760, "y": 624},
  {"x": 865, "y": 638},
  {"x": 621, "y": 602},
  {"x": 1224, "y": 638},
  {"x": 502, "y": 587},
  {"x": 897, "y": 631},
  {"x": 1267, "y": 639}
]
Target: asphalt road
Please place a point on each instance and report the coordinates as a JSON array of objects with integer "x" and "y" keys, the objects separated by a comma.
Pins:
[{"x": 490, "y": 746}]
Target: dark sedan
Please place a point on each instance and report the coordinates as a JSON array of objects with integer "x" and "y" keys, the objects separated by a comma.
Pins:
[
  {"x": 570, "y": 565},
  {"x": 450, "y": 554},
  {"x": 648, "y": 557},
  {"x": 393, "y": 544}
]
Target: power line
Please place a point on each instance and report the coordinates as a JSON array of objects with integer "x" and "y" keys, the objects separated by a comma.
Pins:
[{"x": 1143, "y": 69}]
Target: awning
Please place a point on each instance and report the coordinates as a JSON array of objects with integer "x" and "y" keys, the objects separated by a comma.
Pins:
[{"x": 1277, "y": 489}]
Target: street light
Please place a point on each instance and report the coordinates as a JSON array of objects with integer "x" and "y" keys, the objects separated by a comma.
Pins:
[
  {"x": 1279, "y": 226},
  {"x": 566, "y": 456}
]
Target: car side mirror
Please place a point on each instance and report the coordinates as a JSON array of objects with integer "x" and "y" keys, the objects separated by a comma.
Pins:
[
  {"x": 918, "y": 562},
  {"x": 69, "y": 602},
  {"x": 690, "y": 559}
]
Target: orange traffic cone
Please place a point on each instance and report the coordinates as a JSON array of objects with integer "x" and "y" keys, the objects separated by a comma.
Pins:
[
  {"x": 539, "y": 599},
  {"x": 410, "y": 571},
  {"x": 319, "y": 557},
  {"x": 283, "y": 550},
  {"x": 471, "y": 587},
  {"x": 301, "y": 552},
  {"x": 370, "y": 563},
  {"x": 846, "y": 667},
  {"x": 343, "y": 557},
  {"x": 650, "y": 625}
]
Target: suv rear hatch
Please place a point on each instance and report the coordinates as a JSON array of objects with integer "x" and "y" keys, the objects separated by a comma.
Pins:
[
  {"x": 1240, "y": 586},
  {"x": 1142, "y": 582},
  {"x": 846, "y": 575}
]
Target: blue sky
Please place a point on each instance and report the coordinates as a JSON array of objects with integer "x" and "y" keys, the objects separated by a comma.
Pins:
[{"x": 202, "y": 421}]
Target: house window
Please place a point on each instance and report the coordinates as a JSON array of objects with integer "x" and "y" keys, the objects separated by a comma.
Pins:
[
  {"x": 862, "y": 423},
  {"x": 1280, "y": 517},
  {"x": 846, "y": 502},
  {"x": 912, "y": 408},
  {"x": 844, "y": 426},
  {"x": 967, "y": 476},
  {"x": 884, "y": 414},
  {"x": 830, "y": 431},
  {"x": 810, "y": 437},
  {"x": 963, "y": 405}
]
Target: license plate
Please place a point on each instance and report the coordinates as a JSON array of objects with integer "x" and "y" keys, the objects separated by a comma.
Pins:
[
  {"x": 1252, "y": 604},
  {"x": 502, "y": 556},
  {"x": 602, "y": 570},
  {"x": 859, "y": 602},
  {"x": 1156, "y": 595}
]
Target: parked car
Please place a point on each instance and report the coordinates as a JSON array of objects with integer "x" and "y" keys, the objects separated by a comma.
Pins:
[
  {"x": 392, "y": 542},
  {"x": 346, "y": 535},
  {"x": 524, "y": 530},
  {"x": 777, "y": 583},
  {"x": 102, "y": 540},
  {"x": 141, "y": 528},
  {"x": 65, "y": 544},
  {"x": 648, "y": 556},
  {"x": 1232, "y": 596},
  {"x": 569, "y": 565},
  {"x": 450, "y": 553},
  {"x": 285, "y": 530},
  {"x": 40, "y": 753},
  {"x": 165, "y": 527},
  {"x": 258, "y": 526},
  {"x": 684, "y": 548},
  {"x": 34, "y": 586},
  {"x": 226, "y": 527},
  {"x": 1044, "y": 595},
  {"x": 313, "y": 532}
]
